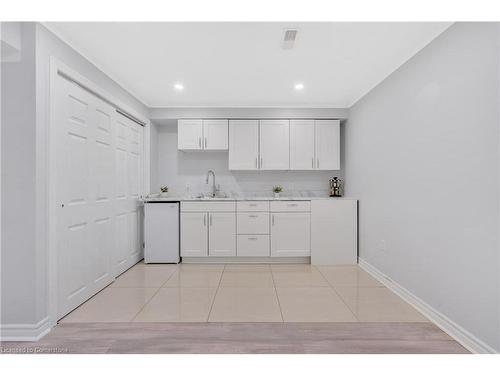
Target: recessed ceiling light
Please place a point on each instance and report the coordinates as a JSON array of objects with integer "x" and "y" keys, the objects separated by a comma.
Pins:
[
  {"x": 299, "y": 86},
  {"x": 179, "y": 86}
]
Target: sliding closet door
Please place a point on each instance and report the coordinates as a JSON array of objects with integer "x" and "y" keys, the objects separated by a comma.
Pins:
[
  {"x": 128, "y": 185},
  {"x": 84, "y": 194},
  {"x": 99, "y": 166}
]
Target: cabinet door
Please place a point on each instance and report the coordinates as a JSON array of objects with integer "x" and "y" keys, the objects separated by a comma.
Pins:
[
  {"x": 290, "y": 234},
  {"x": 189, "y": 134},
  {"x": 215, "y": 135},
  {"x": 327, "y": 144},
  {"x": 194, "y": 234},
  {"x": 222, "y": 234},
  {"x": 243, "y": 144},
  {"x": 274, "y": 144},
  {"x": 302, "y": 144}
]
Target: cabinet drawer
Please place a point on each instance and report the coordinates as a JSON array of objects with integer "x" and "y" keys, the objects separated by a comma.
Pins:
[
  {"x": 253, "y": 222},
  {"x": 217, "y": 206},
  {"x": 253, "y": 245},
  {"x": 252, "y": 205},
  {"x": 286, "y": 206}
]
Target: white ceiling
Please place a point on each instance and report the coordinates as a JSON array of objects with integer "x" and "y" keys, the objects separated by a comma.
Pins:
[{"x": 243, "y": 64}]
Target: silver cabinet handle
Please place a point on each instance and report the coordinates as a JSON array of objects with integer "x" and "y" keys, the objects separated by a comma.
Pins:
[
  {"x": 199, "y": 142},
  {"x": 205, "y": 220},
  {"x": 252, "y": 204},
  {"x": 261, "y": 162},
  {"x": 273, "y": 220},
  {"x": 252, "y": 216},
  {"x": 256, "y": 163},
  {"x": 210, "y": 219},
  {"x": 252, "y": 238},
  {"x": 292, "y": 204},
  {"x": 205, "y": 142}
]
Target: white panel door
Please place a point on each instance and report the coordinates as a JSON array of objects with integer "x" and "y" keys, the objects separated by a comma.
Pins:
[
  {"x": 215, "y": 135},
  {"x": 103, "y": 166},
  {"x": 194, "y": 234},
  {"x": 327, "y": 144},
  {"x": 190, "y": 134},
  {"x": 99, "y": 180},
  {"x": 222, "y": 234},
  {"x": 84, "y": 235},
  {"x": 121, "y": 211},
  {"x": 302, "y": 144},
  {"x": 128, "y": 188},
  {"x": 290, "y": 234},
  {"x": 274, "y": 144},
  {"x": 244, "y": 144}
]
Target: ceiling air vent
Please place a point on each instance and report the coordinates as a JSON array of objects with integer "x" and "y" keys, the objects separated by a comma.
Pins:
[{"x": 289, "y": 38}]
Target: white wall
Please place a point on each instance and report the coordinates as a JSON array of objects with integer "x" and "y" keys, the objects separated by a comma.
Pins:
[
  {"x": 422, "y": 156},
  {"x": 18, "y": 184},
  {"x": 177, "y": 169}
]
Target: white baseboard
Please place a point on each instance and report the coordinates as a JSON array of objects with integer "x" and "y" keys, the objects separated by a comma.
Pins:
[
  {"x": 25, "y": 332},
  {"x": 460, "y": 334}
]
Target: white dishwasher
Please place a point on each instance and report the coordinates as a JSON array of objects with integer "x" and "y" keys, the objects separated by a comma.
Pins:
[{"x": 161, "y": 232}]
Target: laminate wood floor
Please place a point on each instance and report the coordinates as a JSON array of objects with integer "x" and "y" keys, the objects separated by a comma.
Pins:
[{"x": 222, "y": 338}]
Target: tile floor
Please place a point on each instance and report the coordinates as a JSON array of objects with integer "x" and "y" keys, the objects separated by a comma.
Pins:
[{"x": 244, "y": 293}]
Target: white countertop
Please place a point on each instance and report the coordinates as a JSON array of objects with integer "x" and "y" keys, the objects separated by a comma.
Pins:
[{"x": 284, "y": 198}]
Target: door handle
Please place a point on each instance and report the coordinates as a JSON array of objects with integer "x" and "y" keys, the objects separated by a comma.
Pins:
[
  {"x": 261, "y": 161},
  {"x": 199, "y": 142},
  {"x": 252, "y": 238},
  {"x": 210, "y": 215},
  {"x": 252, "y": 216},
  {"x": 273, "y": 219},
  {"x": 256, "y": 163},
  {"x": 205, "y": 142}
]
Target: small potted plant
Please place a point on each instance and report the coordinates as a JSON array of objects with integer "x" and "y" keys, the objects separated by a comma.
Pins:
[
  {"x": 164, "y": 191},
  {"x": 277, "y": 190}
]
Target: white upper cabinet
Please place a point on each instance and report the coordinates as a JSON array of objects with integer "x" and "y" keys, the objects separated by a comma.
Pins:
[
  {"x": 274, "y": 144},
  {"x": 244, "y": 144},
  {"x": 215, "y": 135},
  {"x": 189, "y": 134},
  {"x": 266, "y": 144},
  {"x": 202, "y": 135},
  {"x": 302, "y": 145},
  {"x": 327, "y": 144}
]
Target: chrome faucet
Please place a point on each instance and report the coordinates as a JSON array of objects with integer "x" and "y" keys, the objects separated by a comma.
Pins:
[{"x": 214, "y": 188}]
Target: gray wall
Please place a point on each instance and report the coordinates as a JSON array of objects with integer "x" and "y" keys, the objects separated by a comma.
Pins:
[
  {"x": 178, "y": 169},
  {"x": 18, "y": 257},
  {"x": 422, "y": 156}
]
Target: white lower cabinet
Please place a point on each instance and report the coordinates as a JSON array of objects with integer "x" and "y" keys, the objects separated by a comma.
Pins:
[
  {"x": 208, "y": 229},
  {"x": 194, "y": 234},
  {"x": 222, "y": 234},
  {"x": 290, "y": 234}
]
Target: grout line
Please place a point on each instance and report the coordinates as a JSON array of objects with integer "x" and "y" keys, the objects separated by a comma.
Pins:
[
  {"x": 216, "y": 292},
  {"x": 154, "y": 294},
  {"x": 338, "y": 295},
  {"x": 277, "y": 297}
]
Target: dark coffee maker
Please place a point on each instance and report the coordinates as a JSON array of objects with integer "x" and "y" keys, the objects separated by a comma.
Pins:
[{"x": 336, "y": 187}]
